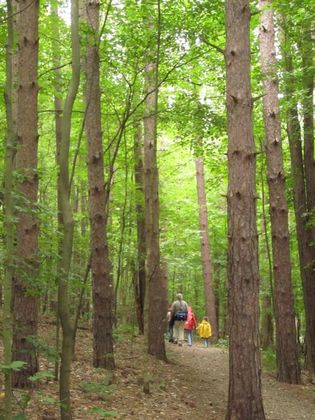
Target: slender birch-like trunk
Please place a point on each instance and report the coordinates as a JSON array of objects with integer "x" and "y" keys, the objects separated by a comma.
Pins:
[
  {"x": 205, "y": 249},
  {"x": 67, "y": 221},
  {"x": 156, "y": 289},
  {"x": 58, "y": 106},
  {"x": 141, "y": 247}
]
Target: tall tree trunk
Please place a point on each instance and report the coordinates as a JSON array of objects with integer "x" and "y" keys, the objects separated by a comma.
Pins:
[
  {"x": 304, "y": 232},
  {"x": 10, "y": 150},
  {"x": 205, "y": 248},
  {"x": 286, "y": 344},
  {"x": 58, "y": 106},
  {"x": 139, "y": 283},
  {"x": 309, "y": 167},
  {"x": 245, "y": 399},
  {"x": 307, "y": 53},
  {"x": 156, "y": 289},
  {"x": 267, "y": 329},
  {"x": 67, "y": 222},
  {"x": 122, "y": 240},
  {"x": 100, "y": 264},
  {"x": 266, "y": 335},
  {"x": 25, "y": 304}
]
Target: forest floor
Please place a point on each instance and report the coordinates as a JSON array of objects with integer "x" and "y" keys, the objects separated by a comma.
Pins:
[{"x": 193, "y": 385}]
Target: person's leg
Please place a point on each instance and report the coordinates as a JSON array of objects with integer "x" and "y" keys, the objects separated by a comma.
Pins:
[
  {"x": 189, "y": 337},
  {"x": 206, "y": 342},
  {"x": 181, "y": 335},
  {"x": 176, "y": 331}
]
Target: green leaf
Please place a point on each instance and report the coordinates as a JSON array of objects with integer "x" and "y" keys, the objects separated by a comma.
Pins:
[
  {"x": 103, "y": 413},
  {"x": 47, "y": 374},
  {"x": 16, "y": 365},
  {"x": 20, "y": 416}
]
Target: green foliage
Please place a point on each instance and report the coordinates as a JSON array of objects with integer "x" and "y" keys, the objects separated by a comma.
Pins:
[
  {"x": 47, "y": 351},
  {"x": 23, "y": 398},
  {"x": 20, "y": 416},
  {"x": 123, "y": 332},
  {"x": 101, "y": 389},
  {"x": 269, "y": 360},
  {"x": 42, "y": 375},
  {"x": 191, "y": 122},
  {"x": 15, "y": 365},
  {"x": 222, "y": 343},
  {"x": 103, "y": 413}
]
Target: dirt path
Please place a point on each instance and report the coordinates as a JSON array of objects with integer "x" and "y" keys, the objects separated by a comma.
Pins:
[{"x": 206, "y": 372}]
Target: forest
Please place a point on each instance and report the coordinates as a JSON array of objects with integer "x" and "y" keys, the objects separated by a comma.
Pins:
[{"x": 150, "y": 148}]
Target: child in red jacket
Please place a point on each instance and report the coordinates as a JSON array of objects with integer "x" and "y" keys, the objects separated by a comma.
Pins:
[{"x": 190, "y": 324}]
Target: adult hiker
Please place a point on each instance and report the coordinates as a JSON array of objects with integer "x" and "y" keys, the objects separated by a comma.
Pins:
[{"x": 179, "y": 313}]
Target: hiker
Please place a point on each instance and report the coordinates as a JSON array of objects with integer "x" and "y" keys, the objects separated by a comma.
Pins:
[
  {"x": 204, "y": 330},
  {"x": 179, "y": 312},
  {"x": 190, "y": 324},
  {"x": 170, "y": 324}
]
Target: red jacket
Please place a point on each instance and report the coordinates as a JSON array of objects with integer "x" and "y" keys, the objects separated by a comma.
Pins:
[{"x": 191, "y": 322}]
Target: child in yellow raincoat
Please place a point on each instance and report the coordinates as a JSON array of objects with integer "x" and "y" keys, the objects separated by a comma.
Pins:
[{"x": 204, "y": 330}]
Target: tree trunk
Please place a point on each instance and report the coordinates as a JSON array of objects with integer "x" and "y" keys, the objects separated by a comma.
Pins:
[
  {"x": 25, "y": 304},
  {"x": 58, "y": 106},
  {"x": 266, "y": 335},
  {"x": 309, "y": 167},
  {"x": 9, "y": 235},
  {"x": 267, "y": 316},
  {"x": 288, "y": 369},
  {"x": 304, "y": 232},
  {"x": 308, "y": 117},
  {"x": 245, "y": 399},
  {"x": 141, "y": 247},
  {"x": 67, "y": 222},
  {"x": 156, "y": 289},
  {"x": 120, "y": 253},
  {"x": 100, "y": 264},
  {"x": 205, "y": 249}
]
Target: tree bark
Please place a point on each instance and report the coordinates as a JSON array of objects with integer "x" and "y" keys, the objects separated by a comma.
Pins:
[
  {"x": 304, "y": 232},
  {"x": 288, "y": 369},
  {"x": 205, "y": 249},
  {"x": 309, "y": 168},
  {"x": 156, "y": 289},
  {"x": 140, "y": 280},
  {"x": 67, "y": 222},
  {"x": 100, "y": 264},
  {"x": 58, "y": 106},
  {"x": 267, "y": 316},
  {"x": 25, "y": 304},
  {"x": 307, "y": 53},
  {"x": 8, "y": 204},
  {"x": 266, "y": 335},
  {"x": 245, "y": 399}
]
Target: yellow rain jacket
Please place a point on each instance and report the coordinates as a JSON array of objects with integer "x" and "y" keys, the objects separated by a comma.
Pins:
[{"x": 204, "y": 329}]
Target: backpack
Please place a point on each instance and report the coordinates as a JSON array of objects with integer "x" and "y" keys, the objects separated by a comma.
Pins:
[{"x": 181, "y": 314}]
